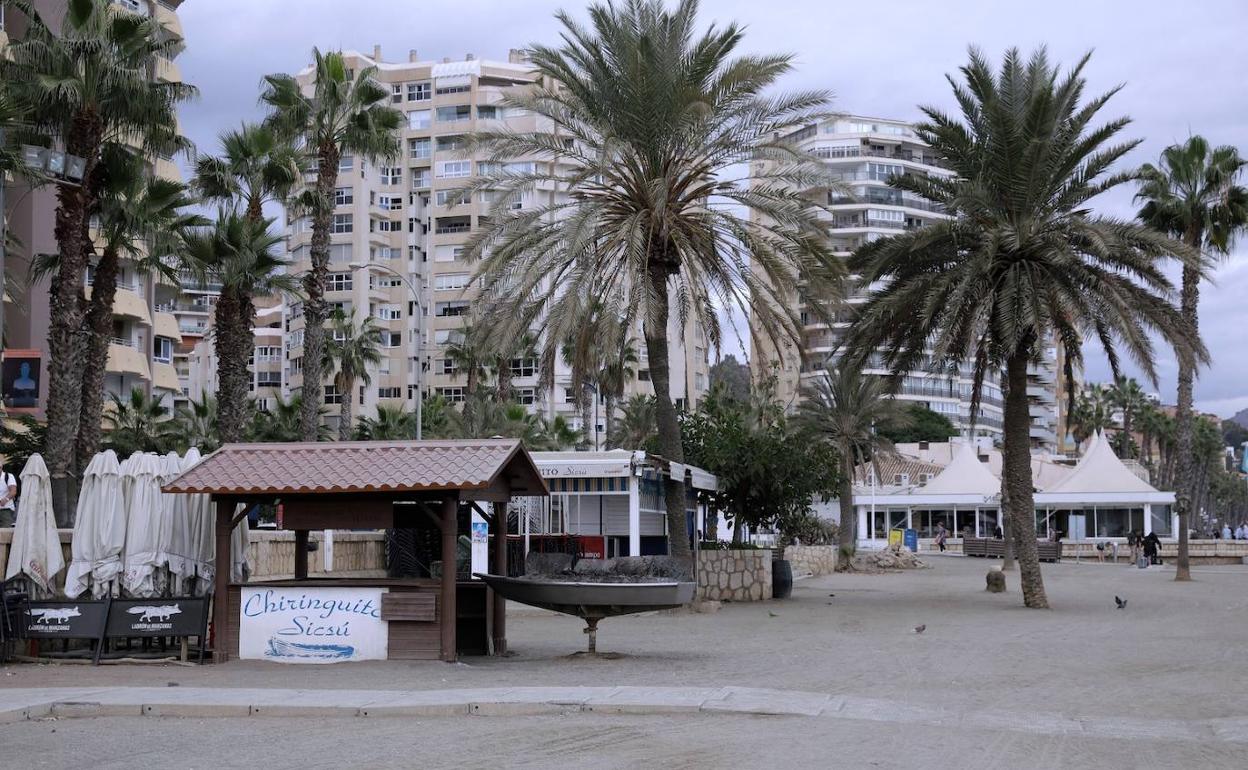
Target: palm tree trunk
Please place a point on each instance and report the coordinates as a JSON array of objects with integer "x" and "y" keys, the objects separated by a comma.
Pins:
[
  {"x": 1019, "y": 503},
  {"x": 847, "y": 527},
  {"x": 609, "y": 417},
  {"x": 98, "y": 323},
  {"x": 655, "y": 332},
  {"x": 587, "y": 430},
  {"x": 66, "y": 316},
  {"x": 1126, "y": 430},
  {"x": 233, "y": 341},
  {"x": 1188, "y": 305},
  {"x": 315, "y": 309},
  {"x": 345, "y": 417},
  {"x": 504, "y": 379}
]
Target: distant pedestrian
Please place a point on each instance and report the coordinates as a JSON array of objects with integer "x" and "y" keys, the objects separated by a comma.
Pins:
[
  {"x": 1226, "y": 531},
  {"x": 997, "y": 533},
  {"x": 1152, "y": 544},
  {"x": 1135, "y": 541},
  {"x": 8, "y": 498},
  {"x": 1242, "y": 532},
  {"x": 942, "y": 534}
]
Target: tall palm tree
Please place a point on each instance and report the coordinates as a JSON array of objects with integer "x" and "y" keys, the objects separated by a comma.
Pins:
[
  {"x": 392, "y": 423},
  {"x": 87, "y": 82},
  {"x": 141, "y": 219},
  {"x": 352, "y": 350},
  {"x": 256, "y": 166},
  {"x": 1193, "y": 193},
  {"x": 637, "y": 426},
  {"x": 343, "y": 113},
  {"x": 1091, "y": 414},
  {"x": 848, "y": 411},
  {"x": 1149, "y": 422},
  {"x": 137, "y": 423},
  {"x": 1127, "y": 395},
  {"x": 284, "y": 422},
  {"x": 618, "y": 369},
  {"x": 243, "y": 256},
  {"x": 651, "y": 119},
  {"x": 196, "y": 424},
  {"x": 1022, "y": 263},
  {"x": 470, "y": 357}
]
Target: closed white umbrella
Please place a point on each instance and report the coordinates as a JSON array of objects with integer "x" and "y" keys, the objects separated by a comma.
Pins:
[
  {"x": 141, "y": 485},
  {"x": 175, "y": 530},
  {"x": 36, "y": 549},
  {"x": 99, "y": 530},
  {"x": 240, "y": 538},
  {"x": 202, "y": 532}
]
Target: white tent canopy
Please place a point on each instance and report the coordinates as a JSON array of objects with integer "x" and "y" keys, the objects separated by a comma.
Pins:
[
  {"x": 965, "y": 474},
  {"x": 99, "y": 529},
  {"x": 36, "y": 549},
  {"x": 1100, "y": 470}
]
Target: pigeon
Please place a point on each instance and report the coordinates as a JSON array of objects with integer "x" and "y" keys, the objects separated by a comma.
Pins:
[
  {"x": 1122, "y": 603},
  {"x": 920, "y": 629},
  {"x": 772, "y": 614},
  {"x": 831, "y": 594}
]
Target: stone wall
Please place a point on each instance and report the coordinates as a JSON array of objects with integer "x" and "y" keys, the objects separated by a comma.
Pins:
[
  {"x": 811, "y": 560},
  {"x": 737, "y": 576}
]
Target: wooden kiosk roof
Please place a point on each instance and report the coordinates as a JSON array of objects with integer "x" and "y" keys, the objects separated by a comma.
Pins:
[{"x": 484, "y": 469}]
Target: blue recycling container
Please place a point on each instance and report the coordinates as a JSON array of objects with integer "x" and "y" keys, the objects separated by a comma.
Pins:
[{"x": 910, "y": 539}]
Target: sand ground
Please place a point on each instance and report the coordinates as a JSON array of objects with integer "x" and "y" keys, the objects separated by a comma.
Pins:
[{"x": 1175, "y": 653}]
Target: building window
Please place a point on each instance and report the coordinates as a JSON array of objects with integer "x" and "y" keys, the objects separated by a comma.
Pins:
[
  {"x": 267, "y": 354},
  {"x": 332, "y": 396},
  {"x": 523, "y": 367},
  {"x": 269, "y": 379},
  {"x": 396, "y": 93},
  {"x": 452, "y": 197},
  {"x": 454, "y": 168},
  {"x": 344, "y": 196},
  {"x": 881, "y": 172},
  {"x": 162, "y": 350},
  {"x": 388, "y": 252},
  {"x": 389, "y": 226},
  {"x": 526, "y": 396},
  {"x": 418, "y": 92},
  {"x": 421, "y": 178},
  {"x": 346, "y": 163},
  {"x": 418, "y": 120},
  {"x": 343, "y": 223},
  {"x": 390, "y": 202},
  {"x": 339, "y": 282},
  {"x": 389, "y": 312},
  {"x": 391, "y": 175},
  {"x": 455, "y": 114},
  {"x": 448, "y": 366},
  {"x": 392, "y": 339},
  {"x": 419, "y": 149},
  {"x": 451, "y": 281},
  {"x": 394, "y": 392},
  {"x": 569, "y": 396},
  {"x": 453, "y": 395},
  {"x": 340, "y": 252},
  {"x": 487, "y": 112},
  {"x": 447, "y": 253},
  {"x": 643, "y": 375},
  {"x": 449, "y": 309}
]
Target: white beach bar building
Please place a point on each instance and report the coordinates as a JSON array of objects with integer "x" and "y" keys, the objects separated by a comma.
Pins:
[
  {"x": 959, "y": 484},
  {"x": 614, "y": 495}
]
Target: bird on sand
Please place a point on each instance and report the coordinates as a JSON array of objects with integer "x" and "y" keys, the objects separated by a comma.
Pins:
[
  {"x": 1122, "y": 603},
  {"x": 920, "y": 629}
]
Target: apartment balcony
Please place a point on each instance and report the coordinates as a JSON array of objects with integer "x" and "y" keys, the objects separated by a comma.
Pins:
[
  {"x": 879, "y": 200},
  {"x": 1044, "y": 434},
  {"x": 836, "y": 153},
  {"x": 168, "y": 18},
  {"x": 166, "y": 325},
  {"x": 125, "y": 358},
  {"x": 128, "y": 304},
  {"x": 192, "y": 330},
  {"x": 165, "y": 377},
  {"x": 167, "y": 70},
  {"x": 863, "y": 222}
]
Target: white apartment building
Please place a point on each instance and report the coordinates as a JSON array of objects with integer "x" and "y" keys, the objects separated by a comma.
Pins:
[
  {"x": 398, "y": 236},
  {"x": 864, "y": 153}
]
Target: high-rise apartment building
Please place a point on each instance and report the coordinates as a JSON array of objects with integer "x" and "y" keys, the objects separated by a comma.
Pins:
[
  {"x": 399, "y": 231},
  {"x": 863, "y": 153},
  {"x": 146, "y": 333}
]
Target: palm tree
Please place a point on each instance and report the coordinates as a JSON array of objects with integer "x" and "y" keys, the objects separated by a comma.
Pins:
[
  {"x": 618, "y": 369},
  {"x": 284, "y": 422},
  {"x": 242, "y": 255},
  {"x": 137, "y": 423},
  {"x": 651, "y": 118},
  {"x": 1127, "y": 395},
  {"x": 439, "y": 417},
  {"x": 141, "y": 218},
  {"x": 637, "y": 426},
  {"x": 501, "y": 360},
  {"x": 87, "y": 82},
  {"x": 470, "y": 358},
  {"x": 1149, "y": 421},
  {"x": 196, "y": 425},
  {"x": 342, "y": 114},
  {"x": 1022, "y": 263},
  {"x": 256, "y": 166},
  {"x": 353, "y": 350},
  {"x": 1193, "y": 194},
  {"x": 1091, "y": 414},
  {"x": 392, "y": 423},
  {"x": 848, "y": 411}
]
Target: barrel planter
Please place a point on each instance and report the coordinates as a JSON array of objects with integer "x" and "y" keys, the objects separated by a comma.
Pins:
[{"x": 781, "y": 578}]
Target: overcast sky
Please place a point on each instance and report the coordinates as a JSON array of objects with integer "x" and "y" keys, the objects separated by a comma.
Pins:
[{"x": 1183, "y": 65}]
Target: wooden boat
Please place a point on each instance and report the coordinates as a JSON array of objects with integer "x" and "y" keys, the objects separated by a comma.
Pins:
[{"x": 280, "y": 648}]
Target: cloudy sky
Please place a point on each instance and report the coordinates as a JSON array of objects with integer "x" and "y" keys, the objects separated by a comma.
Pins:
[{"x": 1182, "y": 66}]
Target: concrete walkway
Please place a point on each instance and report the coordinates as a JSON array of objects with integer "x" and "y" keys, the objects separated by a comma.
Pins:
[{"x": 65, "y": 702}]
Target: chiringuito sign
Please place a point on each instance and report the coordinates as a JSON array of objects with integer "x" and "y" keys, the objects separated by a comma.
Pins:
[{"x": 312, "y": 625}]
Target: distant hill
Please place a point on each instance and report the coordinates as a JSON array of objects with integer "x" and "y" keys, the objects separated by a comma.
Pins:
[{"x": 1241, "y": 418}]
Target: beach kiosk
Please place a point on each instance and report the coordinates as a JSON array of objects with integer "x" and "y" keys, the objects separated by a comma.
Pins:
[{"x": 362, "y": 485}]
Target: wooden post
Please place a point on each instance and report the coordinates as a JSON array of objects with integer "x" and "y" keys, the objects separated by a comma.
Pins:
[
  {"x": 221, "y": 598},
  {"x": 301, "y": 554},
  {"x": 499, "y": 604},
  {"x": 448, "y": 616}
]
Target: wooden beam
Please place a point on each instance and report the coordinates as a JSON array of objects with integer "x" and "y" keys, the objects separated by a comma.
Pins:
[
  {"x": 498, "y": 605},
  {"x": 450, "y": 510},
  {"x": 301, "y": 554},
  {"x": 221, "y": 589}
]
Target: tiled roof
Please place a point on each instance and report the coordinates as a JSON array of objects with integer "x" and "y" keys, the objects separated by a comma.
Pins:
[
  {"x": 342, "y": 467},
  {"x": 889, "y": 467}
]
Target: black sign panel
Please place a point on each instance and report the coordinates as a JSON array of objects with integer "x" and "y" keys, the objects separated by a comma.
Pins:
[
  {"x": 65, "y": 620},
  {"x": 178, "y": 616}
]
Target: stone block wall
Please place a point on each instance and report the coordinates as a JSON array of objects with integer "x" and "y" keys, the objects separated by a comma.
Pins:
[
  {"x": 811, "y": 560},
  {"x": 736, "y": 576}
]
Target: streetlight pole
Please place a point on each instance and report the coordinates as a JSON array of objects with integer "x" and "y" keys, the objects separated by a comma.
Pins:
[{"x": 420, "y": 352}]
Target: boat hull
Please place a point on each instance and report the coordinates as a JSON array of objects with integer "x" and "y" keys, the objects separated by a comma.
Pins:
[{"x": 592, "y": 600}]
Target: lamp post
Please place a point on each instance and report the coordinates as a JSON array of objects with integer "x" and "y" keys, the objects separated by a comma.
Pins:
[{"x": 420, "y": 352}]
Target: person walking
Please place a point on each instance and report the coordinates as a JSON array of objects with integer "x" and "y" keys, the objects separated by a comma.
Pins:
[
  {"x": 1152, "y": 545},
  {"x": 1134, "y": 540},
  {"x": 8, "y": 498},
  {"x": 942, "y": 534}
]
